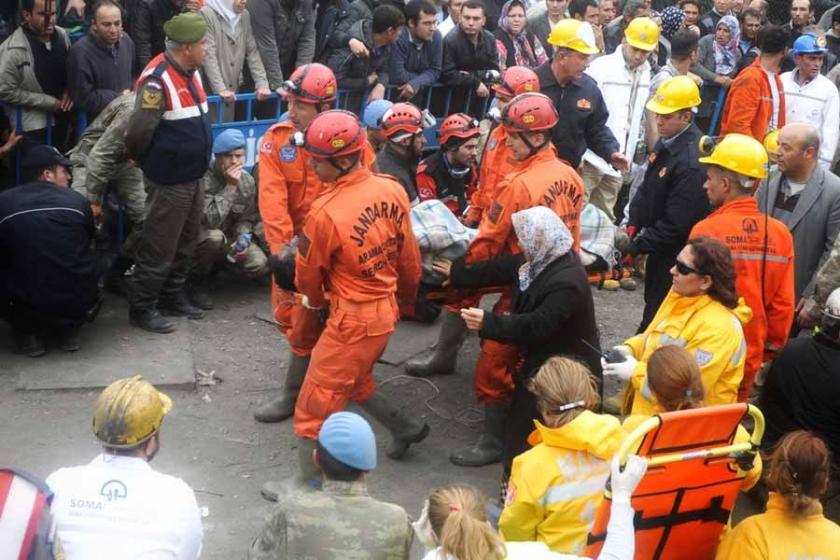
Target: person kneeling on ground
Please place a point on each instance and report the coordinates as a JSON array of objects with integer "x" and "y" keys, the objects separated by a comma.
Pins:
[
  {"x": 341, "y": 520},
  {"x": 556, "y": 485},
  {"x": 48, "y": 279},
  {"x": 454, "y": 523},
  {"x": 230, "y": 219},
  {"x": 128, "y": 509}
]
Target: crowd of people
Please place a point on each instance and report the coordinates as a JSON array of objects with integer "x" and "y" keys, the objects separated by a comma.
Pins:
[{"x": 689, "y": 145}]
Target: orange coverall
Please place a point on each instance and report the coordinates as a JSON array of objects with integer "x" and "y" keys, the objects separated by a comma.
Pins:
[
  {"x": 357, "y": 245},
  {"x": 745, "y": 230},
  {"x": 286, "y": 190},
  {"x": 749, "y": 104},
  {"x": 541, "y": 180},
  {"x": 496, "y": 162}
]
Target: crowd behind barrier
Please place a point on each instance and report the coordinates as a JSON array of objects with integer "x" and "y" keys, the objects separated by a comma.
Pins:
[{"x": 436, "y": 99}]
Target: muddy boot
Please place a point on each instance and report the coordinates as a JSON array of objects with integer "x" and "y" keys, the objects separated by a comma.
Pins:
[
  {"x": 307, "y": 478},
  {"x": 277, "y": 410},
  {"x": 453, "y": 331},
  {"x": 489, "y": 447},
  {"x": 404, "y": 430}
]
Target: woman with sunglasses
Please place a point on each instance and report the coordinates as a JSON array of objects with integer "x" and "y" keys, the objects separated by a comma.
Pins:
[{"x": 703, "y": 314}]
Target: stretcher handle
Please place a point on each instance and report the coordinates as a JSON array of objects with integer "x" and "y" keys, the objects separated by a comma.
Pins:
[{"x": 632, "y": 442}]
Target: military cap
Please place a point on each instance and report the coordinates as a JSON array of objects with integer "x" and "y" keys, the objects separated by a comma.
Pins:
[{"x": 186, "y": 28}]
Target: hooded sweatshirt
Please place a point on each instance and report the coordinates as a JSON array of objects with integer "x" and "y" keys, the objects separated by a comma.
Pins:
[{"x": 556, "y": 487}]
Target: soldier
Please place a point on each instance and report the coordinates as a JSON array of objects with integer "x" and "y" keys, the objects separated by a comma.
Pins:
[
  {"x": 100, "y": 163},
  {"x": 540, "y": 178},
  {"x": 358, "y": 241},
  {"x": 169, "y": 134},
  {"x": 230, "y": 211},
  {"x": 287, "y": 187},
  {"x": 761, "y": 246},
  {"x": 342, "y": 520}
]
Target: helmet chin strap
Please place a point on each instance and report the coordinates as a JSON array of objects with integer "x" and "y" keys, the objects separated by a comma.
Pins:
[
  {"x": 343, "y": 170},
  {"x": 531, "y": 148}
]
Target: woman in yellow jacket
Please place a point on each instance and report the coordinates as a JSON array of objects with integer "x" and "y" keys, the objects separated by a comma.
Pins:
[
  {"x": 675, "y": 384},
  {"x": 556, "y": 486},
  {"x": 703, "y": 314},
  {"x": 793, "y": 525}
]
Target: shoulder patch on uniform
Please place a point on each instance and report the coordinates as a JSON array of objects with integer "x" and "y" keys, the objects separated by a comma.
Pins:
[
  {"x": 703, "y": 357},
  {"x": 495, "y": 212},
  {"x": 152, "y": 96},
  {"x": 510, "y": 495},
  {"x": 265, "y": 147},
  {"x": 288, "y": 153},
  {"x": 662, "y": 172},
  {"x": 491, "y": 144},
  {"x": 584, "y": 104},
  {"x": 304, "y": 244}
]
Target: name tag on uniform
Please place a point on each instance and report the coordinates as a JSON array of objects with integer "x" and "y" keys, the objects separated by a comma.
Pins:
[{"x": 288, "y": 153}]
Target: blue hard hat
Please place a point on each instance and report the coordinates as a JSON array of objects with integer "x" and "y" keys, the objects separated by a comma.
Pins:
[
  {"x": 349, "y": 439},
  {"x": 808, "y": 44},
  {"x": 373, "y": 113},
  {"x": 229, "y": 140}
]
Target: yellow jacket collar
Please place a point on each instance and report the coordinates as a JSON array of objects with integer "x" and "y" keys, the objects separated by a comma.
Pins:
[{"x": 597, "y": 434}]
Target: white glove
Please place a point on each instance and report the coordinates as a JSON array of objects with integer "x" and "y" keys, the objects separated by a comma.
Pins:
[
  {"x": 423, "y": 529},
  {"x": 622, "y": 370},
  {"x": 623, "y": 483},
  {"x": 305, "y": 302}
]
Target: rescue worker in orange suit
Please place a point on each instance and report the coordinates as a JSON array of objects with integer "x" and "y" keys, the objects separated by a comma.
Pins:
[
  {"x": 358, "y": 245},
  {"x": 761, "y": 246},
  {"x": 450, "y": 174},
  {"x": 287, "y": 187},
  {"x": 496, "y": 161},
  {"x": 541, "y": 179},
  {"x": 402, "y": 125}
]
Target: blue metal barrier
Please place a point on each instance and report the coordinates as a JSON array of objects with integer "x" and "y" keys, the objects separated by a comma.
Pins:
[{"x": 717, "y": 104}]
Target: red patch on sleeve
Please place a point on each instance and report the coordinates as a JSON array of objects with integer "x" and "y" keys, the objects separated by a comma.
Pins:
[
  {"x": 495, "y": 212},
  {"x": 304, "y": 244}
]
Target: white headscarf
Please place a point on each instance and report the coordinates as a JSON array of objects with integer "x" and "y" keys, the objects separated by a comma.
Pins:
[
  {"x": 225, "y": 9},
  {"x": 543, "y": 237}
]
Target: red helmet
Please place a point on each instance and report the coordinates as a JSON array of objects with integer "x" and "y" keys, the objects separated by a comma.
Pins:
[
  {"x": 529, "y": 112},
  {"x": 332, "y": 134},
  {"x": 312, "y": 83},
  {"x": 458, "y": 125},
  {"x": 517, "y": 80},
  {"x": 402, "y": 117}
]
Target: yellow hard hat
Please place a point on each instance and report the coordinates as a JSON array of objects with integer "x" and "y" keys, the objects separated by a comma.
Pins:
[
  {"x": 575, "y": 35},
  {"x": 739, "y": 153},
  {"x": 129, "y": 411},
  {"x": 642, "y": 33},
  {"x": 771, "y": 141},
  {"x": 675, "y": 94}
]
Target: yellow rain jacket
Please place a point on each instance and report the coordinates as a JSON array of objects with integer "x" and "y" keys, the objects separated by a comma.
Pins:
[
  {"x": 778, "y": 535},
  {"x": 741, "y": 435},
  {"x": 556, "y": 486},
  {"x": 710, "y": 331}
]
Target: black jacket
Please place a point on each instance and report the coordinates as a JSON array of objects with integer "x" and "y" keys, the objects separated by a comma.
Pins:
[
  {"x": 46, "y": 263},
  {"x": 465, "y": 64},
  {"x": 583, "y": 117},
  {"x": 802, "y": 390},
  {"x": 552, "y": 317},
  {"x": 147, "y": 28},
  {"x": 284, "y": 31},
  {"x": 352, "y": 71},
  {"x": 403, "y": 169},
  {"x": 671, "y": 199},
  {"x": 98, "y": 74}
]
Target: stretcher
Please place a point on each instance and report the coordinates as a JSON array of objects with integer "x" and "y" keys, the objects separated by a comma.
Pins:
[{"x": 695, "y": 472}]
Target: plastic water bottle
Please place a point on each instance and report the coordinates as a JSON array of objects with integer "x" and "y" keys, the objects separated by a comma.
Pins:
[{"x": 242, "y": 243}]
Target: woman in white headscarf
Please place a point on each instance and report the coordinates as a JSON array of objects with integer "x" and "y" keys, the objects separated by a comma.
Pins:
[
  {"x": 553, "y": 312},
  {"x": 230, "y": 43}
]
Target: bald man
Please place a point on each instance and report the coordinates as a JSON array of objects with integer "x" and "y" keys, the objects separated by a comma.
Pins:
[{"x": 806, "y": 198}]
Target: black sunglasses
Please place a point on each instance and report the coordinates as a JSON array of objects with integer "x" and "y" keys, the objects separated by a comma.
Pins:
[{"x": 685, "y": 270}]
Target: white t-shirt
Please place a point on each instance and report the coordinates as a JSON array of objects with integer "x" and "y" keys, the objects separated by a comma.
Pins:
[{"x": 118, "y": 508}]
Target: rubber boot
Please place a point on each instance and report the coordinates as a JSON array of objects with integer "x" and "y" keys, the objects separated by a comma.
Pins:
[
  {"x": 453, "y": 331},
  {"x": 489, "y": 447},
  {"x": 282, "y": 407},
  {"x": 198, "y": 292},
  {"x": 308, "y": 477},
  {"x": 404, "y": 430}
]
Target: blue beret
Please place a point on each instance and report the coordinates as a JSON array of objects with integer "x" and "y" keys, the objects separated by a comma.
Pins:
[
  {"x": 229, "y": 140},
  {"x": 373, "y": 112},
  {"x": 349, "y": 439}
]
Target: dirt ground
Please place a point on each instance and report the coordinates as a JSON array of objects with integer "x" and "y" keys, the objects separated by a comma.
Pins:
[{"x": 211, "y": 441}]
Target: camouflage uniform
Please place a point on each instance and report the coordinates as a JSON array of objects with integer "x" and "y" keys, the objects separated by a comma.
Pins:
[
  {"x": 227, "y": 215},
  {"x": 828, "y": 276},
  {"x": 340, "y": 522},
  {"x": 100, "y": 161}
]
